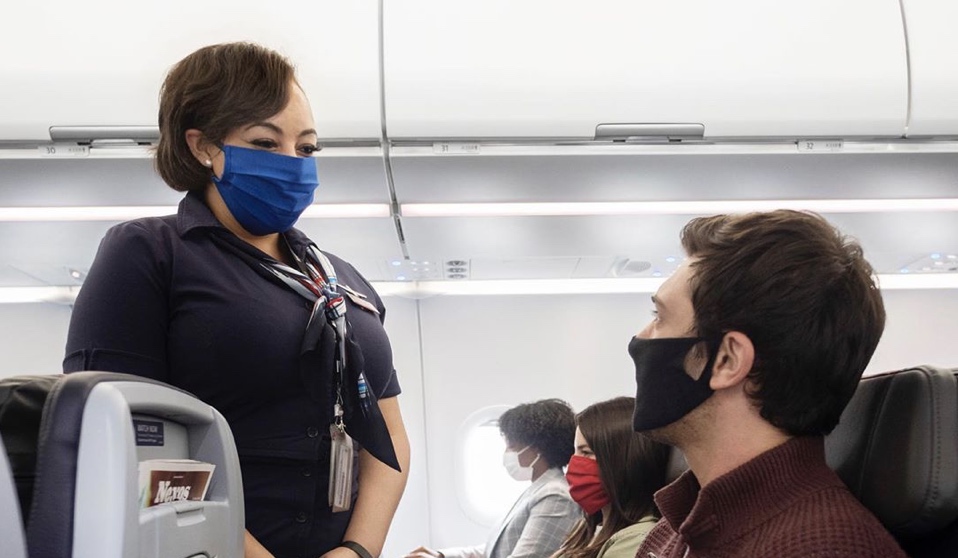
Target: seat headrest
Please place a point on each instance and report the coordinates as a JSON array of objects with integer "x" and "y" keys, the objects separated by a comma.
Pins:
[
  {"x": 896, "y": 447},
  {"x": 21, "y": 406}
]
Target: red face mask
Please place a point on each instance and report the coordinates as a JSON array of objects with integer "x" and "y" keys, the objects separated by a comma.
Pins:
[{"x": 585, "y": 486}]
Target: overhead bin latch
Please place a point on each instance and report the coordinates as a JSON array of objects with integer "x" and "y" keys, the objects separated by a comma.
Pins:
[
  {"x": 651, "y": 133},
  {"x": 106, "y": 135}
]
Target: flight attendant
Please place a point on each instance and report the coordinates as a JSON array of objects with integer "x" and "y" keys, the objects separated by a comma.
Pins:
[{"x": 228, "y": 301}]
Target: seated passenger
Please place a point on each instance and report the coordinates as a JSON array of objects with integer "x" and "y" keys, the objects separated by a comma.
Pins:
[
  {"x": 539, "y": 441},
  {"x": 613, "y": 475},
  {"x": 757, "y": 344}
]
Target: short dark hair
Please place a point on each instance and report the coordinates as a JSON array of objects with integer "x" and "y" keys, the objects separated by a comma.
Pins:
[
  {"x": 215, "y": 90},
  {"x": 632, "y": 468},
  {"x": 548, "y": 425},
  {"x": 804, "y": 295}
]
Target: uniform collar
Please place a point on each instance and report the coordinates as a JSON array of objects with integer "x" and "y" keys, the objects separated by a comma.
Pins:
[{"x": 747, "y": 496}]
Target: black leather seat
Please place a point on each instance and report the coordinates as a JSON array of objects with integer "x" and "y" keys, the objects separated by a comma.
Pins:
[
  {"x": 11, "y": 525},
  {"x": 896, "y": 448}
]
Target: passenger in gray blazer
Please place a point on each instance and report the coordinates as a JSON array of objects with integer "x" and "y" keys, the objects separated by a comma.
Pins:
[{"x": 539, "y": 440}]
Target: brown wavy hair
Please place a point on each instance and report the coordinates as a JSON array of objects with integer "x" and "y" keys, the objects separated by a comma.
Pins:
[
  {"x": 216, "y": 89},
  {"x": 632, "y": 468},
  {"x": 804, "y": 295}
]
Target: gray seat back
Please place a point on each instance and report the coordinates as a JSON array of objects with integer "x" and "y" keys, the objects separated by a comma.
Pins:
[{"x": 84, "y": 490}]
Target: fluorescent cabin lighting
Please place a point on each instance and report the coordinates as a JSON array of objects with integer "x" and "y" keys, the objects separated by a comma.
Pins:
[
  {"x": 26, "y": 295},
  {"x": 426, "y": 289},
  {"x": 506, "y": 209},
  {"x": 346, "y": 210},
  {"x": 907, "y": 281},
  {"x": 124, "y": 213},
  {"x": 510, "y": 209},
  {"x": 89, "y": 213}
]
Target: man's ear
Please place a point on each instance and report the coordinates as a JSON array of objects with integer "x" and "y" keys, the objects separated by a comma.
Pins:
[
  {"x": 734, "y": 361},
  {"x": 202, "y": 149}
]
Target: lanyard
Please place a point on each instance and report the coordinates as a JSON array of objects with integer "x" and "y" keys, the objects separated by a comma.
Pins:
[{"x": 317, "y": 283}]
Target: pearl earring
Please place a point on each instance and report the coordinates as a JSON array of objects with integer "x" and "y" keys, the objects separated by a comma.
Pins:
[{"x": 208, "y": 163}]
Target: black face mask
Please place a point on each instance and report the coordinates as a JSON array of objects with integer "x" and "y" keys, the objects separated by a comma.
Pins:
[{"x": 664, "y": 391}]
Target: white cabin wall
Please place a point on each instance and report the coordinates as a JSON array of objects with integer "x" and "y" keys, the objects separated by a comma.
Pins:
[
  {"x": 482, "y": 351},
  {"x": 410, "y": 526},
  {"x": 920, "y": 329},
  {"x": 32, "y": 338}
]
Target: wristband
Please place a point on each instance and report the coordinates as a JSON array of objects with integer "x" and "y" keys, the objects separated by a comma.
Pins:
[{"x": 357, "y": 548}]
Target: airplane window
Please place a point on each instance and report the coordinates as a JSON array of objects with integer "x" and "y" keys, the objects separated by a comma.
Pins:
[{"x": 486, "y": 492}]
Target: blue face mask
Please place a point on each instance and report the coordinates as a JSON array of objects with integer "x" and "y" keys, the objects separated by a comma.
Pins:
[{"x": 266, "y": 192}]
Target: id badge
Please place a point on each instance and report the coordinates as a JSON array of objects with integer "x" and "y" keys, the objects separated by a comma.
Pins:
[{"x": 340, "y": 469}]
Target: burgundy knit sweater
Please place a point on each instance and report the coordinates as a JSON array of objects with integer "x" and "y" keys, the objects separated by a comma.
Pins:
[{"x": 784, "y": 503}]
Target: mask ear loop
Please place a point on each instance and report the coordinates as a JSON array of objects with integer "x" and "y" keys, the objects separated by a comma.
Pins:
[
  {"x": 534, "y": 461},
  {"x": 712, "y": 346}
]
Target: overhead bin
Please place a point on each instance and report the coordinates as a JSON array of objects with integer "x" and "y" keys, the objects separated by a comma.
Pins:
[
  {"x": 933, "y": 59},
  {"x": 499, "y": 69},
  {"x": 92, "y": 70}
]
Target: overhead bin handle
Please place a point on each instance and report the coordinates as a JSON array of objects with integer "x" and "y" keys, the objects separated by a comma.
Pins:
[
  {"x": 89, "y": 134},
  {"x": 649, "y": 132}
]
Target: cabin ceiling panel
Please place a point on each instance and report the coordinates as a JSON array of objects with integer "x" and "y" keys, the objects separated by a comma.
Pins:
[
  {"x": 82, "y": 182},
  {"x": 34, "y": 253},
  {"x": 543, "y": 237},
  {"x": 89, "y": 182},
  {"x": 46, "y": 251},
  {"x": 891, "y": 240},
  {"x": 367, "y": 243},
  {"x": 609, "y": 178}
]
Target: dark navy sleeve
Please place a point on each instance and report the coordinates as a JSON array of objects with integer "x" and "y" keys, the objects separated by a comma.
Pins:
[{"x": 119, "y": 321}]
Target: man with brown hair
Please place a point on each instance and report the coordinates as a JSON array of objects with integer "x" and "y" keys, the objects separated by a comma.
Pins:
[{"x": 757, "y": 344}]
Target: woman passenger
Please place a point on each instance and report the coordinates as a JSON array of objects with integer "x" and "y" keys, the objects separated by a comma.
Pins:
[
  {"x": 613, "y": 475},
  {"x": 539, "y": 439}
]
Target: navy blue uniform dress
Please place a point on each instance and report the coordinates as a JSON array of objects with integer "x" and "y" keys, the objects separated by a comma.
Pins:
[{"x": 166, "y": 298}]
